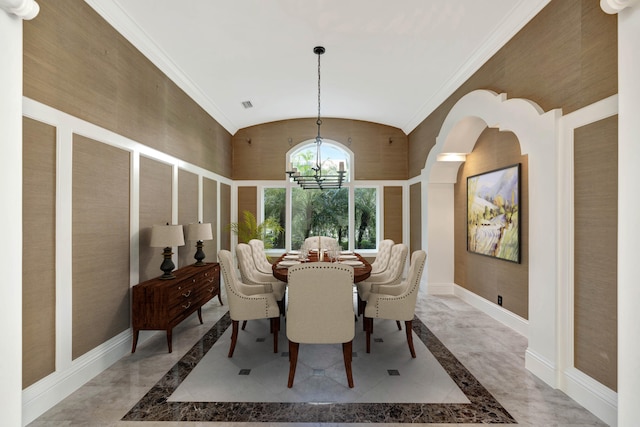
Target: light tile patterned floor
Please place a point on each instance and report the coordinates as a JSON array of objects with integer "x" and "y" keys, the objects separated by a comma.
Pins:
[{"x": 469, "y": 345}]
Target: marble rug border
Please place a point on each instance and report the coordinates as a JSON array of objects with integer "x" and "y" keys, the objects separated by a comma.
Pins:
[{"x": 482, "y": 409}]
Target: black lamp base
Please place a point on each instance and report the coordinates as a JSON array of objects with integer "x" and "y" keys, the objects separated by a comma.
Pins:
[
  {"x": 167, "y": 265},
  {"x": 199, "y": 256}
]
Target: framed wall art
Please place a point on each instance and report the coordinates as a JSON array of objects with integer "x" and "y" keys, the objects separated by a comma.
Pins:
[{"x": 493, "y": 222}]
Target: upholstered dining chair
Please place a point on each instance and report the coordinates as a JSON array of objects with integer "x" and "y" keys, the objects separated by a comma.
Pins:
[
  {"x": 396, "y": 302},
  {"x": 260, "y": 256},
  {"x": 320, "y": 310},
  {"x": 247, "y": 302},
  {"x": 315, "y": 242},
  {"x": 251, "y": 276},
  {"x": 389, "y": 277},
  {"x": 381, "y": 262}
]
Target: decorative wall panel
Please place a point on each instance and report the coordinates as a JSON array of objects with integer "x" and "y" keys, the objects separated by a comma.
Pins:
[
  {"x": 595, "y": 250},
  {"x": 101, "y": 186},
  {"x": 38, "y": 251},
  {"x": 155, "y": 209},
  {"x": 225, "y": 216},
  {"x": 187, "y": 213},
  {"x": 415, "y": 217},
  {"x": 393, "y": 214},
  {"x": 210, "y": 215}
]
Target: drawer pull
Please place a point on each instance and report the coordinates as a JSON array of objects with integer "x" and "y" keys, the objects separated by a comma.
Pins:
[
  {"x": 186, "y": 295},
  {"x": 187, "y": 305},
  {"x": 211, "y": 280},
  {"x": 211, "y": 290}
]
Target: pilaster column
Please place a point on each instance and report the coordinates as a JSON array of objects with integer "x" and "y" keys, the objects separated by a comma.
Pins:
[
  {"x": 12, "y": 12},
  {"x": 628, "y": 205}
]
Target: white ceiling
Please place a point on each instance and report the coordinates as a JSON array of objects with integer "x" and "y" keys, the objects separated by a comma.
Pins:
[{"x": 390, "y": 62}]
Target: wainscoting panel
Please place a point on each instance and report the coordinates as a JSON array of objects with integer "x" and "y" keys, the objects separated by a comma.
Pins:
[
  {"x": 38, "y": 251},
  {"x": 101, "y": 194}
]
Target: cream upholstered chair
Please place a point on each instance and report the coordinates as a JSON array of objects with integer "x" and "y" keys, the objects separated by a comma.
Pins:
[
  {"x": 260, "y": 256},
  {"x": 320, "y": 310},
  {"x": 247, "y": 302},
  {"x": 250, "y": 275},
  {"x": 396, "y": 302},
  {"x": 315, "y": 242},
  {"x": 381, "y": 262},
  {"x": 389, "y": 277}
]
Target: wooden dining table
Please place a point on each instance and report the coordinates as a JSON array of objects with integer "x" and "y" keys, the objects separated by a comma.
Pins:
[{"x": 360, "y": 273}]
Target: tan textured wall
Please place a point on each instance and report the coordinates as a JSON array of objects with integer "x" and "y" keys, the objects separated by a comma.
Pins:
[
  {"x": 155, "y": 209},
  {"x": 225, "y": 216},
  {"x": 210, "y": 215},
  {"x": 566, "y": 57},
  {"x": 415, "y": 217},
  {"x": 187, "y": 213},
  {"x": 247, "y": 201},
  {"x": 38, "y": 251},
  {"x": 393, "y": 213},
  {"x": 100, "y": 242},
  {"x": 76, "y": 62},
  {"x": 376, "y": 157},
  {"x": 482, "y": 275},
  {"x": 595, "y": 246}
]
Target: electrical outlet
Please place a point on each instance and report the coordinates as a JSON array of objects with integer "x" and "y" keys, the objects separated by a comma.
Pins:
[{"x": 499, "y": 299}]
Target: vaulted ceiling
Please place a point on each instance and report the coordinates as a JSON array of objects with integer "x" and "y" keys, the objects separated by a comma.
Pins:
[{"x": 390, "y": 62}]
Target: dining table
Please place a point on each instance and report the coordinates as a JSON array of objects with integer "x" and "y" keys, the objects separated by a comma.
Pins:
[{"x": 361, "y": 267}]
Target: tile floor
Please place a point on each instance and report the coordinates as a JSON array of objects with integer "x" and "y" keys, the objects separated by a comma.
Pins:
[{"x": 469, "y": 371}]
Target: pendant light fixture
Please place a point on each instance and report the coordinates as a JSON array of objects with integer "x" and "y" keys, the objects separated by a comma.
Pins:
[{"x": 318, "y": 180}]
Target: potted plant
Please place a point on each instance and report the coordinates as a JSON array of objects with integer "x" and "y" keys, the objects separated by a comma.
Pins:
[{"x": 249, "y": 229}]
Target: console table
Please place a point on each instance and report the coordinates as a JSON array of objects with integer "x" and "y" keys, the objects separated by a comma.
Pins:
[{"x": 159, "y": 304}]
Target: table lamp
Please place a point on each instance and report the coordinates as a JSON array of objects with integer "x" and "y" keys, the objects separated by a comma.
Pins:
[
  {"x": 199, "y": 232},
  {"x": 167, "y": 236}
]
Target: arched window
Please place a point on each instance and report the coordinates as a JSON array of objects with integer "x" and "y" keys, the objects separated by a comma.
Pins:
[
  {"x": 329, "y": 156},
  {"x": 348, "y": 214}
]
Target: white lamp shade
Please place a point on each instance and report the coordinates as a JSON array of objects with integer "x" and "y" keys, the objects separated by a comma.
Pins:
[
  {"x": 199, "y": 231},
  {"x": 163, "y": 236}
]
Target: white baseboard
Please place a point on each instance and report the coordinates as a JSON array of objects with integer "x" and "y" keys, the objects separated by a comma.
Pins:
[
  {"x": 440, "y": 288},
  {"x": 515, "y": 322},
  {"x": 541, "y": 367},
  {"x": 595, "y": 397},
  {"x": 49, "y": 391}
]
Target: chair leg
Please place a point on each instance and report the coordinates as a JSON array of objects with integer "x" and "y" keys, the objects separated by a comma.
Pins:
[
  {"x": 244, "y": 323},
  {"x": 293, "y": 361},
  {"x": 281, "y": 306},
  {"x": 409, "y": 329},
  {"x": 234, "y": 337},
  {"x": 398, "y": 323},
  {"x": 347, "y": 354},
  {"x": 361, "y": 305},
  {"x": 368, "y": 327},
  {"x": 275, "y": 327}
]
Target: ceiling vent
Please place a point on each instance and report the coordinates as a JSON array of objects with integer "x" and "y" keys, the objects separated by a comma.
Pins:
[{"x": 247, "y": 104}]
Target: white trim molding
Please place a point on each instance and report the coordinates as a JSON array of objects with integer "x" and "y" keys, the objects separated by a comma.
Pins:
[
  {"x": 23, "y": 9},
  {"x": 613, "y": 7}
]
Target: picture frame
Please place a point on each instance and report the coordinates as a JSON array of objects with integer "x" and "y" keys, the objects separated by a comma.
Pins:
[{"x": 493, "y": 213}]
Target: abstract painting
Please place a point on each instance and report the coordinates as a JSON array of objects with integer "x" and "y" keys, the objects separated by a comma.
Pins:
[{"x": 493, "y": 222}]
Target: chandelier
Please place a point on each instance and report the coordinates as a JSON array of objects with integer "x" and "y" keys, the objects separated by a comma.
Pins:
[{"x": 317, "y": 180}]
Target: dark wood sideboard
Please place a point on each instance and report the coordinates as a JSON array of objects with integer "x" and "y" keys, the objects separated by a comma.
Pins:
[{"x": 162, "y": 304}]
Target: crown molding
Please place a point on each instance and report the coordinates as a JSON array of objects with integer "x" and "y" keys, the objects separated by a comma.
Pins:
[
  {"x": 616, "y": 6},
  {"x": 522, "y": 12},
  {"x": 23, "y": 9},
  {"x": 118, "y": 18}
]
